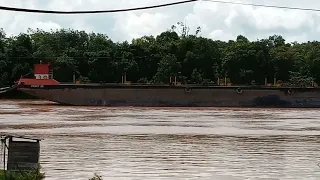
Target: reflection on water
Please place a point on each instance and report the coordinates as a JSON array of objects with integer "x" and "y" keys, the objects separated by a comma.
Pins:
[{"x": 169, "y": 143}]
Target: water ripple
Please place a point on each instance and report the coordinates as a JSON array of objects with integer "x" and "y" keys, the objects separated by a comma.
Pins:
[{"x": 169, "y": 143}]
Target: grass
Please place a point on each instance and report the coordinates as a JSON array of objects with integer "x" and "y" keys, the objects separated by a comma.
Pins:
[{"x": 34, "y": 174}]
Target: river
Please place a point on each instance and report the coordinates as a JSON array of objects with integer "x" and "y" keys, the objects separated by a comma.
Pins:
[{"x": 169, "y": 143}]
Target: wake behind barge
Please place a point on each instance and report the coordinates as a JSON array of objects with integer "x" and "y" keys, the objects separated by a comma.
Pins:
[{"x": 44, "y": 86}]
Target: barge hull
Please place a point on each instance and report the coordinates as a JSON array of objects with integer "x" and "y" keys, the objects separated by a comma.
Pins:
[{"x": 177, "y": 96}]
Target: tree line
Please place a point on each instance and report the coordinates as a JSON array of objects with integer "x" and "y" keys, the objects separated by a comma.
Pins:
[{"x": 94, "y": 57}]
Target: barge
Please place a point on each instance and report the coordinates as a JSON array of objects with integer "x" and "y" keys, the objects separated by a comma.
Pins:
[{"x": 44, "y": 86}]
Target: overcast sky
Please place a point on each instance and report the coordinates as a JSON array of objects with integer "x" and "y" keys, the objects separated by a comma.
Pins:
[{"x": 218, "y": 21}]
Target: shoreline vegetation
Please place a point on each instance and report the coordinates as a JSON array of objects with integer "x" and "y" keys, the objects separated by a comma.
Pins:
[
  {"x": 177, "y": 52},
  {"x": 34, "y": 174}
]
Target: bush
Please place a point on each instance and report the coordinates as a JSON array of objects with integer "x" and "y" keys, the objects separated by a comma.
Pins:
[
  {"x": 96, "y": 177},
  {"x": 34, "y": 174}
]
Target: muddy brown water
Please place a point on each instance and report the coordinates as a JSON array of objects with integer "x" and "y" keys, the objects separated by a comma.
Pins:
[{"x": 169, "y": 143}]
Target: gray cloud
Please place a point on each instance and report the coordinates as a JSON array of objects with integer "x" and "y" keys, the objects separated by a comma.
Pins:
[{"x": 218, "y": 21}]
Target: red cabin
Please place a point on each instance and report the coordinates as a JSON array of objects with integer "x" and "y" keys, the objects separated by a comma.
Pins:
[
  {"x": 42, "y": 76},
  {"x": 41, "y": 71}
]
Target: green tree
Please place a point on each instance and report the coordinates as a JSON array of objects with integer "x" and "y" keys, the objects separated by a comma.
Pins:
[{"x": 176, "y": 52}]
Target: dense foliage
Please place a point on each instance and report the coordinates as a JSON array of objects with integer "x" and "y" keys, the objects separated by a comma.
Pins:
[{"x": 191, "y": 58}]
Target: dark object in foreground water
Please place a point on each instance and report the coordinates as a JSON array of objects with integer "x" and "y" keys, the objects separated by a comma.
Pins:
[{"x": 23, "y": 152}]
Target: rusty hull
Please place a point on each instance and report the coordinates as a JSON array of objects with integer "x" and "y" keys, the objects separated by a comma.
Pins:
[{"x": 181, "y": 96}]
